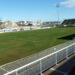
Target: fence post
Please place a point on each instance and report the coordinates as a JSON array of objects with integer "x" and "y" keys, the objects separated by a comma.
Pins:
[
  {"x": 74, "y": 44},
  {"x": 74, "y": 49},
  {"x": 56, "y": 56},
  {"x": 41, "y": 68},
  {"x": 28, "y": 71},
  {"x": 16, "y": 73},
  {"x": 67, "y": 53}
]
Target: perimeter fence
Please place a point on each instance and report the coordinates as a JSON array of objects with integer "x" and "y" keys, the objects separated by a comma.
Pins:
[{"x": 38, "y": 63}]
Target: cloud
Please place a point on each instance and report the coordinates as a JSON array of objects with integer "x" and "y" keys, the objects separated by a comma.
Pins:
[{"x": 69, "y": 3}]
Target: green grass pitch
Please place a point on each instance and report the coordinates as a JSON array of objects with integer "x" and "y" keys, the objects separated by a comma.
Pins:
[{"x": 17, "y": 45}]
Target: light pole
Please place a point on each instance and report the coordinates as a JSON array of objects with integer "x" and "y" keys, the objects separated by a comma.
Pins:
[{"x": 58, "y": 12}]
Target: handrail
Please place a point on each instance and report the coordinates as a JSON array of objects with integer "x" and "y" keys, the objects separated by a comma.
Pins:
[{"x": 39, "y": 60}]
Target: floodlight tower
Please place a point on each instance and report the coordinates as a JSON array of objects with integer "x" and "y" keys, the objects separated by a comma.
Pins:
[{"x": 58, "y": 12}]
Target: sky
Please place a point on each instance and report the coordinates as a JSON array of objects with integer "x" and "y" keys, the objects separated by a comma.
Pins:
[{"x": 33, "y": 10}]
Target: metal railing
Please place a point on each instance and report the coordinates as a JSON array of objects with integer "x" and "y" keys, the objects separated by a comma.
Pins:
[{"x": 36, "y": 64}]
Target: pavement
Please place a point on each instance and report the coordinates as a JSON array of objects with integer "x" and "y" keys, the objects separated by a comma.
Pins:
[{"x": 63, "y": 67}]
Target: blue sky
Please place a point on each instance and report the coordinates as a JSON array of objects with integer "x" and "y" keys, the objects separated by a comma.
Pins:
[{"x": 34, "y": 10}]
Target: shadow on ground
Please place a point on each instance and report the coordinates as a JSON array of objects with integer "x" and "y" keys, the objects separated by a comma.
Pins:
[
  {"x": 66, "y": 67},
  {"x": 69, "y": 37}
]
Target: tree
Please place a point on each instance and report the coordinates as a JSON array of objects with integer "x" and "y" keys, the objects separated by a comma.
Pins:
[
  {"x": 30, "y": 26},
  {"x": 1, "y": 22}
]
